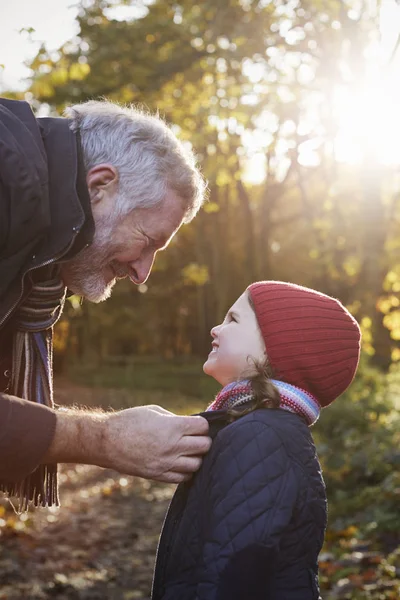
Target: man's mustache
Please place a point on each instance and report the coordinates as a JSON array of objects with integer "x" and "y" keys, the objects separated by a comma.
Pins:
[{"x": 121, "y": 271}]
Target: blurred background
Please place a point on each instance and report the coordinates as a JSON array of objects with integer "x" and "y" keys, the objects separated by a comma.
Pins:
[{"x": 293, "y": 110}]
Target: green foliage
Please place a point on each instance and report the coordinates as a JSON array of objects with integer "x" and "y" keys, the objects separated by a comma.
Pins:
[
  {"x": 358, "y": 441},
  {"x": 240, "y": 79}
]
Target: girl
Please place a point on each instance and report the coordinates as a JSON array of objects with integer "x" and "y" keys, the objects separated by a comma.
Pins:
[{"x": 251, "y": 523}]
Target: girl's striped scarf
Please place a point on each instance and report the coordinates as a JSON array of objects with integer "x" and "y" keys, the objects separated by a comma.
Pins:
[
  {"x": 32, "y": 378},
  {"x": 293, "y": 398}
]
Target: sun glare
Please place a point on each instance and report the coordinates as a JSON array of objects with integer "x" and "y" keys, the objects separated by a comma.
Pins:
[
  {"x": 365, "y": 113},
  {"x": 369, "y": 122}
]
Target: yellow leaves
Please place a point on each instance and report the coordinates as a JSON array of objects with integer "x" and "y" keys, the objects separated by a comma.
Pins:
[
  {"x": 366, "y": 339},
  {"x": 195, "y": 274},
  {"x": 392, "y": 322},
  {"x": 390, "y": 307},
  {"x": 211, "y": 207},
  {"x": 392, "y": 281},
  {"x": 352, "y": 265},
  {"x": 190, "y": 124},
  {"x": 59, "y": 76},
  {"x": 78, "y": 71},
  {"x": 223, "y": 178},
  {"x": 386, "y": 304},
  {"x": 42, "y": 88},
  {"x": 349, "y": 532},
  {"x": 60, "y": 337},
  {"x": 126, "y": 95},
  {"x": 240, "y": 41},
  {"x": 75, "y": 301},
  {"x": 366, "y": 322},
  {"x": 395, "y": 354},
  {"x": 107, "y": 490}
]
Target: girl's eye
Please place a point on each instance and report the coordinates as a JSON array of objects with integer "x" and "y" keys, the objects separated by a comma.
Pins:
[{"x": 232, "y": 318}]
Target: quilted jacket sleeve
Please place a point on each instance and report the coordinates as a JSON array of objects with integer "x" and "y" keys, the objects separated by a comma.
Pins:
[{"x": 249, "y": 500}]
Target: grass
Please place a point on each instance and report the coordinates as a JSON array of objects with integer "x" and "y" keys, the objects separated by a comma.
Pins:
[{"x": 178, "y": 385}]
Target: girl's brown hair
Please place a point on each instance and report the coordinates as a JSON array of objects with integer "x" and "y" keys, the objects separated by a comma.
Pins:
[{"x": 265, "y": 393}]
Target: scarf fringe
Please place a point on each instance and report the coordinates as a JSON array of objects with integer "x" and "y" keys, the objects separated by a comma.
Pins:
[
  {"x": 40, "y": 488},
  {"x": 32, "y": 379}
]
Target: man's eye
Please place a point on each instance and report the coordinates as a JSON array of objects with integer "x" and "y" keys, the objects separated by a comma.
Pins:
[{"x": 153, "y": 243}]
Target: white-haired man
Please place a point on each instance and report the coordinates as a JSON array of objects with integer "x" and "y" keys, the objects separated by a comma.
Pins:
[{"x": 84, "y": 200}]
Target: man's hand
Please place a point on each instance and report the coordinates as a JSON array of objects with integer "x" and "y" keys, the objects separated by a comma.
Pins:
[
  {"x": 154, "y": 443},
  {"x": 146, "y": 441}
]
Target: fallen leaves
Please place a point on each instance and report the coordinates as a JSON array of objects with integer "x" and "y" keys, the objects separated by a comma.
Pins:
[{"x": 101, "y": 546}]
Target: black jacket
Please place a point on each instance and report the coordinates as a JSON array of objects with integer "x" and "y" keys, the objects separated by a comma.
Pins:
[
  {"x": 45, "y": 217},
  {"x": 251, "y": 523}
]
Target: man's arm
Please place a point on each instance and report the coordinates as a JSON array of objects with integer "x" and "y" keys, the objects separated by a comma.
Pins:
[
  {"x": 26, "y": 431},
  {"x": 146, "y": 441}
]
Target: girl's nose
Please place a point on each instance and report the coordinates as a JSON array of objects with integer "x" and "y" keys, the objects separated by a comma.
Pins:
[{"x": 214, "y": 331}]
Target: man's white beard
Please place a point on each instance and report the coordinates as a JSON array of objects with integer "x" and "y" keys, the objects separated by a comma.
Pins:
[{"x": 84, "y": 274}]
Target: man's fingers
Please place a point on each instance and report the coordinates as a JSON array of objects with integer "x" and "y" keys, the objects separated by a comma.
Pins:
[
  {"x": 195, "y": 425},
  {"x": 187, "y": 464},
  {"x": 194, "y": 445},
  {"x": 172, "y": 477}
]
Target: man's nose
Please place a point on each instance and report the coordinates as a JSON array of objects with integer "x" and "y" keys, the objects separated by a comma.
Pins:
[{"x": 141, "y": 268}]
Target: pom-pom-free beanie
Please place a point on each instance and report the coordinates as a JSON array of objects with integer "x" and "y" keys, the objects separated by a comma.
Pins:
[{"x": 312, "y": 341}]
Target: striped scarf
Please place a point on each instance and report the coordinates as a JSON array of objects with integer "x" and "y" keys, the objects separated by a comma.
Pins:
[
  {"x": 32, "y": 378},
  {"x": 293, "y": 398}
]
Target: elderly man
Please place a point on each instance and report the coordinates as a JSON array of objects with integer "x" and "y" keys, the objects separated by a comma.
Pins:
[{"x": 84, "y": 201}]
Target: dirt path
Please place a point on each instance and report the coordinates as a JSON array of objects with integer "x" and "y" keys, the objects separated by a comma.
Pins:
[{"x": 100, "y": 545}]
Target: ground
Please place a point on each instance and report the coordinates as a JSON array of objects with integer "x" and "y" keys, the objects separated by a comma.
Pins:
[{"x": 101, "y": 544}]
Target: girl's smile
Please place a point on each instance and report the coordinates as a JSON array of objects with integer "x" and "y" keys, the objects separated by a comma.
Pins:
[{"x": 237, "y": 344}]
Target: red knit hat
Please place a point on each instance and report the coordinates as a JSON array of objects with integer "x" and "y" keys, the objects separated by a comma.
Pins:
[{"x": 311, "y": 339}]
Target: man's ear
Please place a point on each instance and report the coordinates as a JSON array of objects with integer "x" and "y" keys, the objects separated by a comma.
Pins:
[{"x": 102, "y": 181}]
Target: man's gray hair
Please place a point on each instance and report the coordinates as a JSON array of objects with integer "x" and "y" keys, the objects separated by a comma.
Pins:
[{"x": 149, "y": 158}]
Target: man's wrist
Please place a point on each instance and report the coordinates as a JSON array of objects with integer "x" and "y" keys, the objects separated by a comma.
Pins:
[{"x": 79, "y": 438}]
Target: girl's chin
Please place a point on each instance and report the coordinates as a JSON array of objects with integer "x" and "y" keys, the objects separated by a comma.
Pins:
[
  {"x": 206, "y": 366},
  {"x": 209, "y": 367},
  {"x": 210, "y": 370}
]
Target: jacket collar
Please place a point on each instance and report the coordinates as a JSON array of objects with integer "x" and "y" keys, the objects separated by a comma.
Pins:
[
  {"x": 72, "y": 224},
  {"x": 217, "y": 420},
  {"x": 50, "y": 156}
]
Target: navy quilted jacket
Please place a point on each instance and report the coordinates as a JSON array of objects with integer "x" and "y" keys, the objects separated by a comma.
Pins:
[{"x": 251, "y": 523}]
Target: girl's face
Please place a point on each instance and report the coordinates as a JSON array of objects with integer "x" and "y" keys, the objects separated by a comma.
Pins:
[{"x": 236, "y": 344}]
